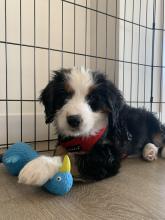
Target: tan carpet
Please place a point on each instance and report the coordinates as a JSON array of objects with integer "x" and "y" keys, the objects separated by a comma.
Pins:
[{"x": 137, "y": 193}]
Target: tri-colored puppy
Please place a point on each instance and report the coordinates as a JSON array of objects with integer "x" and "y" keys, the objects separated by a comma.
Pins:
[{"x": 95, "y": 126}]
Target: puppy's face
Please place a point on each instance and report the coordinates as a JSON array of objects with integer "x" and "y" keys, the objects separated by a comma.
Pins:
[
  {"x": 79, "y": 113},
  {"x": 76, "y": 100}
]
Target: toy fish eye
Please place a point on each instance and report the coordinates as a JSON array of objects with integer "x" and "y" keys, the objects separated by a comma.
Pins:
[{"x": 58, "y": 178}]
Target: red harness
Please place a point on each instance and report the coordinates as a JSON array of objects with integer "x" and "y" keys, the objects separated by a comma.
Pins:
[{"x": 81, "y": 143}]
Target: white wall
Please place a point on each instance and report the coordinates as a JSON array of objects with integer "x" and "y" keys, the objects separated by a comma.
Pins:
[{"x": 140, "y": 92}]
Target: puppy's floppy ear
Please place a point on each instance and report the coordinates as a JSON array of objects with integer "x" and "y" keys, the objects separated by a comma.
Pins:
[
  {"x": 110, "y": 96},
  {"x": 47, "y": 98},
  {"x": 53, "y": 96},
  {"x": 115, "y": 102}
]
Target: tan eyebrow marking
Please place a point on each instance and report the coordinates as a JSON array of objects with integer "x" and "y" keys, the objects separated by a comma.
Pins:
[
  {"x": 68, "y": 88},
  {"x": 91, "y": 88}
]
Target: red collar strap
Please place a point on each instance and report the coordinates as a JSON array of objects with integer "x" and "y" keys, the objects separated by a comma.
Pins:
[{"x": 81, "y": 143}]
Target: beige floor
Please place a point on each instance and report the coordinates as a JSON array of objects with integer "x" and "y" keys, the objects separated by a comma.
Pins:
[{"x": 138, "y": 192}]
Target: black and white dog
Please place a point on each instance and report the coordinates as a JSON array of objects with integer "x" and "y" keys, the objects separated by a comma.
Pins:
[{"x": 95, "y": 126}]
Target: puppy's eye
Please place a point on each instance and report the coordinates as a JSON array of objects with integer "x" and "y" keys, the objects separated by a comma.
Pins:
[
  {"x": 91, "y": 98},
  {"x": 58, "y": 178},
  {"x": 64, "y": 93},
  {"x": 69, "y": 93},
  {"x": 94, "y": 101}
]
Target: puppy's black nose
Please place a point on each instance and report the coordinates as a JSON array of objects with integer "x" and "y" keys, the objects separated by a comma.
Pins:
[{"x": 74, "y": 120}]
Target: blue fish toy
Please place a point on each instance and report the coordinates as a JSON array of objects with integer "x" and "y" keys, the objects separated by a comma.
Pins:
[{"x": 19, "y": 154}]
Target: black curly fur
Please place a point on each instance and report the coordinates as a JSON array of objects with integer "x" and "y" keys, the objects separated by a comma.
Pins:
[{"x": 103, "y": 161}]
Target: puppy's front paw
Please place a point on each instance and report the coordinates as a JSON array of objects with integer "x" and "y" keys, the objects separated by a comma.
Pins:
[
  {"x": 39, "y": 171},
  {"x": 150, "y": 152}
]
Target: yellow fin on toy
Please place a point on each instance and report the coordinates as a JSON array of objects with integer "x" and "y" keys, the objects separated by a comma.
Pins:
[{"x": 66, "y": 166}]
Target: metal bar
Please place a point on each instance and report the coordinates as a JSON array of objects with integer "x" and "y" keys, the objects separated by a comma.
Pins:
[
  {"x": 132, "y": 42},
  {"x": 106, "y": 37},
  {"x": 92, "y": 56},
  {"x": 62, "y": 46},
  {"x": 96, "y": 31},
  {"x": 125, "y": 3},
  {"x": 153, "y": 50},
  {"x": 115, "y": 44},
  {"x": 29, "y": 142},
  {"x": 21, "y": 66},
  {"x": 18, "y": 100},
  {"x": 86, "y": 30},
  {"x": 138, "y": 54},
  {"x": 34, "y": 51},
  {"x": 49, "y": 64},
  {"x": 161, "y": 75},
  {"x": 74, "y": 56},
  {"x": 7, "y": 122},
  {"x": 24, "y": 100},
  {"x": 145, "y": 54}
]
